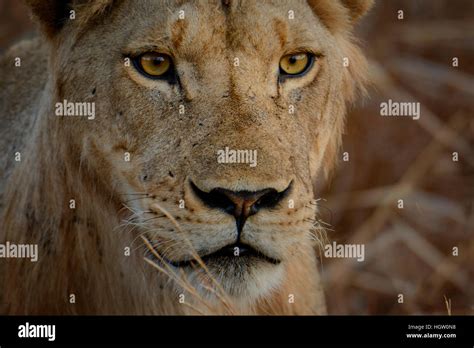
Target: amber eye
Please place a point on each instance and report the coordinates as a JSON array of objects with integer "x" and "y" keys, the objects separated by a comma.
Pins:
[
  {"x": 154, "y": 65},
  {"x": 296, "y": 64}
]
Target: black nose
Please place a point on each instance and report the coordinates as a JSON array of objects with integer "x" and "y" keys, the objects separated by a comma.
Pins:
[{"x": 240, "y": 204}]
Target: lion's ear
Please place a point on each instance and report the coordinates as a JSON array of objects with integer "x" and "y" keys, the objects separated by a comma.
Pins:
[
  {"x": 340, "y": 15},
  {"x": 357, "y": 8},
  {"x": 53, "y": 15}
]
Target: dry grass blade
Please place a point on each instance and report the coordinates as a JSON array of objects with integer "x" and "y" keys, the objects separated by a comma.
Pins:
[
  {"x": 435, "y": 259},
  {"x": 220, "y": 293},
  {"x": 448, "y": 304}
]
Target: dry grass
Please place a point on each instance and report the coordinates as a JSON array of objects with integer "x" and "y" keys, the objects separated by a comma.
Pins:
[{"x": 409, "y": 251}]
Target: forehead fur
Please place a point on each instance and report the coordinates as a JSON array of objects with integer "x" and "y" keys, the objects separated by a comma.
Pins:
[
  {"x": 195, "y": 28},
  {"x": 337, "y": 15},
  {"x": 334, "y": 14}
]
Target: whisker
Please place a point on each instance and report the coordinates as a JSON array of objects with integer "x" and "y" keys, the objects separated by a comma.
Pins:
[
  {"x": 133, "y": 194},
  {"x": 136, "y": 199},
  {"x": 153, "y": 218}
]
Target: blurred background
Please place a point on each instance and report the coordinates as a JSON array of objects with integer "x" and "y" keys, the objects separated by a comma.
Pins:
[{"x": 408, "y": 251}]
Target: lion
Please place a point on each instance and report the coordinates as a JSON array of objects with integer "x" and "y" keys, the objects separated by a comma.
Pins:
[{"x": 162, "y": 155}]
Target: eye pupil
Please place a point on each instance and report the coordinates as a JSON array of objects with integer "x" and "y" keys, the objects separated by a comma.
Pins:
[
  {"x": 153, "y": 60},
  {"x": 293, "y": 65},
  {"x": 154, "y": 65},
  {"x": 158, "y": 60}
]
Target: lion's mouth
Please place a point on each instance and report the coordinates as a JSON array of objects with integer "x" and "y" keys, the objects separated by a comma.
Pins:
[{"x": 233, "y": 252}]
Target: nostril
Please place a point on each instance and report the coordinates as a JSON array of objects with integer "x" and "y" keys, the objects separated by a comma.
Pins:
[
  {"x": 269, "y": 199},
  {"x": 240, "y": 204},
  {"x": 214, "y": 199}
]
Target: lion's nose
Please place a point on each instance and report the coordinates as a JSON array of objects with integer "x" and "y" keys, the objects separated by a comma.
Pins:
[{"x": 240, "y": 204}]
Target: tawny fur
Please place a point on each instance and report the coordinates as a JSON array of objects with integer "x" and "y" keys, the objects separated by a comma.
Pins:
[{"x": 82, "y": 249}]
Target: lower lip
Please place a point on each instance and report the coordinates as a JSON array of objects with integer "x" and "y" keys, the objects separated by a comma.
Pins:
[{"x": 228, "y": 254}]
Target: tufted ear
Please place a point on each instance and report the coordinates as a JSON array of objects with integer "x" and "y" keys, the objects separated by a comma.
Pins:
[
  {"x": 340, "y": 15},
  {"x": 53, "y": 15}
]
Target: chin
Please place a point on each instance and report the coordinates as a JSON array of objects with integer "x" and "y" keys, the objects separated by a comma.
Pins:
[{"x": 243, "y": 279}]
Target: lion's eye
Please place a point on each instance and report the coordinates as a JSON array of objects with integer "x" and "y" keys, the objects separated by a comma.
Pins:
[
  {"x": 154, "y": 65},
  {"x": 293, "y": 65}
]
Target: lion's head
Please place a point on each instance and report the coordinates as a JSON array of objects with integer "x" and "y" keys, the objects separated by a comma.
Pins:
[{"x": 212, "y": 121}]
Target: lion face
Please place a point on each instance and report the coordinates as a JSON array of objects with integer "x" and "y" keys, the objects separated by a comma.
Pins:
[{"x": 212, "y": 123}]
